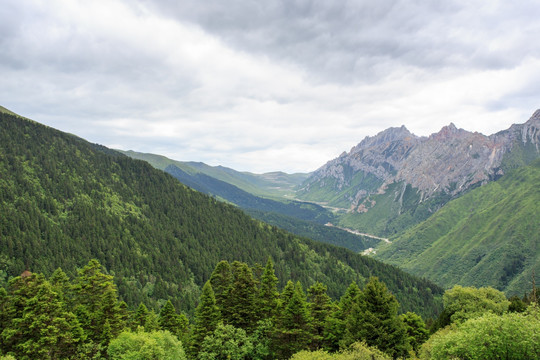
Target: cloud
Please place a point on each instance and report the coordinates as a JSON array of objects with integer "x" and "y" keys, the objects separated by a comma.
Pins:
[{"x": 266, "y": 85}]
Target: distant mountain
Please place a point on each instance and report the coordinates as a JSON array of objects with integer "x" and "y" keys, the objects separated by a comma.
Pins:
[
  {"x": 396, "y": 179},
  {"x": 488, "y": 237},
  {"x": 301, "y": 218},
  {"x": 64, "y": 201},
  {"x": 273, "y": 184}
]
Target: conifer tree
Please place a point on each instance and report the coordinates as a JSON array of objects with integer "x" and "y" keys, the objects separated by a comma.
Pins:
[
  {"x": 140, "y": 317},
  {"x": 375, "y": 321},
  {"x": 334, "y": 329},
  {"x": 221, "y": 280},
  {"x": 206, "y": 318},
  {"x": 96, "y": 302},
  {"x": 294, "y": 328},
  {"x": 241, "y": 306},
  {"x": 285, "y": 297},
  {"x": 268, "y": 293},
  {"x": 175, "y": 323},
  {"x": 320, "y": 306},
  {"x": 42, "y": 328}
]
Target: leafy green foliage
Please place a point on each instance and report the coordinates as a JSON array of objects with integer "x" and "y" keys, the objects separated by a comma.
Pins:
[
  {"x": 227, "y": 342},
  {"x": 357, "y": 351},
  {"x": 64, "y": 201},
  {"x": 417, "y": 332},
  {"x": 463, "y": 303},
  {"x": 488, "y": 237},
  {"x": 490, "y": 336},
  {"x": 146, "y": 345}
]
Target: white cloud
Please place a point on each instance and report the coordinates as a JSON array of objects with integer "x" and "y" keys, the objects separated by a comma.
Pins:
[{"x": 266, "y": 86}]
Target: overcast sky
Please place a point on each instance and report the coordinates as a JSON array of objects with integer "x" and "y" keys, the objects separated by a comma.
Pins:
[{"x": 264, "y": 85}]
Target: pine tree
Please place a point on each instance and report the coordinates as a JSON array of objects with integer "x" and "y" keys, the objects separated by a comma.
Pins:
[
  {"x": 242, "y": 312},
  {"x": 42, "y": 327},
  {"x": 268, "y": 294},
  {"x": 97, "y": 302},
  {"x": 320, "y": 306},
  {"x": 205, "y": 320},
  {"x": 175, "y": 323},
  {"x": 221, "y": 280},
  {"x": 334, "y": 329},
  {"x": 375, "y": 320},
  {"x": 294, "y": 327}
]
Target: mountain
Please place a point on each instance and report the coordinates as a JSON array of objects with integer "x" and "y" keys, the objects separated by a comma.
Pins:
[
  {"x": 300, "y": 218},
  {"x": 271, "y": 185},
  {"x": 488, "y": 237},
  {"x": 396, "y": 179},
  {"x": 64, "y": 201}
]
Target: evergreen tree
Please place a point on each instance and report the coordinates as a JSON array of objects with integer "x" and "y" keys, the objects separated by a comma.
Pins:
[
  {"x": 285, "y": 297},
  {"x": 334, "y": 329},
  {"x": 140, "y": 317},
  {"x": 375, "y": 321},
  {"x": 97, "y": 303},
  {"x": 268, "y": 294},
  {"x": 43, "y": 328},
  {"x": 416, "y": 330},
  {"x": 175, "y": 323},
  {"x": 294, "y": 328},
  {"x": 206, "y": 319},
  {"x": 320, "y": 306},
  {"x": 242, "y": 312},
  {"x": 221, "y": 280}
]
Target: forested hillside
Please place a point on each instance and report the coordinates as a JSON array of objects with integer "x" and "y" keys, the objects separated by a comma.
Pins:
[
  {"x": 488, "y": 237},
  {"x": 64, "y": 201},
  {"x": 300, "y": 218},
  {"x": 269, "y": 185}
]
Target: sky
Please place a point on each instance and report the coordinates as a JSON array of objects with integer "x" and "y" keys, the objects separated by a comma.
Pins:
[{"x": 267, "y": 85}]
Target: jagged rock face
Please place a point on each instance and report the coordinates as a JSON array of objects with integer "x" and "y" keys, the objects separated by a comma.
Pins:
[{"x": 450, "y": 161}]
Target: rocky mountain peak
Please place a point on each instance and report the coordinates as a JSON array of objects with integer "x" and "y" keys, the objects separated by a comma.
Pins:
[
  {"x": 449, "y": 162},
  {"x": 536, "y": 115},
  {"x": 448, "y": 132},
  {"x": 386, "y": 136}
]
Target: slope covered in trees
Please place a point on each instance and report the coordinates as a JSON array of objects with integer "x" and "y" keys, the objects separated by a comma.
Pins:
[
  {"x": 488, "y": 237},
  {"x": 64, "y": 201}
]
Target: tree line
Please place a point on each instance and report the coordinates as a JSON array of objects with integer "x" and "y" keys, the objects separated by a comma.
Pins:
[{"x": 242, "y": 315}]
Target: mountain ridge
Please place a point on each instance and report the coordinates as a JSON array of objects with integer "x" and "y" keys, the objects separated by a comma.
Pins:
[
  {"x": 433, "y": 169},
  {"x": 64, "y": 201}
]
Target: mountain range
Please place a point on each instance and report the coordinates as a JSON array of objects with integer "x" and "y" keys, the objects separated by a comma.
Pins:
[
  {"x": 438, "y": 198},
  {"x": 64, "y": 201},
  {"x": 396, "y": 179}
]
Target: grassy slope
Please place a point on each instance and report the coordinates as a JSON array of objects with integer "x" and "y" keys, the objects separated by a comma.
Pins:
[
  {"x": 488, "y": 237},
  {"x": 272, "y": 185}
]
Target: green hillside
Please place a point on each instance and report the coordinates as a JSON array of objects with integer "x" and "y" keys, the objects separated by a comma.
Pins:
[
  {"x": 488, "y": 237},
  {"x": 272, "y": 185},
  {"x": 64, "y": 201}
]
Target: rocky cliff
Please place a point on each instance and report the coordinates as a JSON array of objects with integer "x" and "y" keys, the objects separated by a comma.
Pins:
[{"x": 444, "y": 164}]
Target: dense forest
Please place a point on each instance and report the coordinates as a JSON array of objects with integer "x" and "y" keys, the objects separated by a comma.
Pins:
[
  {"x": 64, "y": 201},
  {"x": 300, "y": 218},
  {"x": 241, "y": 315}
]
